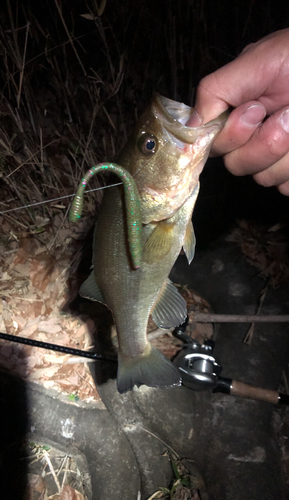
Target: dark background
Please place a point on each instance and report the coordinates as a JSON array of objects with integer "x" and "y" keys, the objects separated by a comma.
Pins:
[{"x": 93, "y": 66}]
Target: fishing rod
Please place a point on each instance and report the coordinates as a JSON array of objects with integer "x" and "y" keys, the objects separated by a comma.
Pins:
[
  {"x": 55, "y": 347},
  {"x": 198, "y": 367}
]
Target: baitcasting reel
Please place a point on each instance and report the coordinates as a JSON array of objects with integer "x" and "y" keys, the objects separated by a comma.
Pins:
[{"x": 200, "y": 371}]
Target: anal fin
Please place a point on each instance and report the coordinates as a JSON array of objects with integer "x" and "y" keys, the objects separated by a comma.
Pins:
[{"x": 170, "y": 308}]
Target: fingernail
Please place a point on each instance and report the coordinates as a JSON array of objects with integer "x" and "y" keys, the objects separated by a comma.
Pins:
[
  {"x": 195, "y": 120},
  {"x": 253, "y": 115},
  {"x": 284, "y": 120}
]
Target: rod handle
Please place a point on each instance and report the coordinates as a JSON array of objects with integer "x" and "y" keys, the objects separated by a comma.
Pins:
[
  {"x": 235, "y": 388},
  {"x": 252, "y": 392}
]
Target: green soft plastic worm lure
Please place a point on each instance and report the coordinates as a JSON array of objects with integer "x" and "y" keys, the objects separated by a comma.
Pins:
[{"x": 132, "y": 202}]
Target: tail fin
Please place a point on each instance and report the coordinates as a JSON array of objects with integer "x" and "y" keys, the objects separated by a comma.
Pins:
[{"x": 151, "y": 368}]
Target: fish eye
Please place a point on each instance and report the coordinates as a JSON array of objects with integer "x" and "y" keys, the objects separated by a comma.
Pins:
[{"x": 147, "y": 144}]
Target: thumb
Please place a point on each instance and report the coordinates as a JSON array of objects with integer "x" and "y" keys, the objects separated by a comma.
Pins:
[{"x": 211, "y": 99}]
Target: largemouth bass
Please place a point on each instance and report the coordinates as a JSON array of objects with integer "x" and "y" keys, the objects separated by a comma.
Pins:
[{"x": 165, "y": 159}]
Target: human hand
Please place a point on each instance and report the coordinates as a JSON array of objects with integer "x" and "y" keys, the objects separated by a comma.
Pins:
[{"x": 256, "y": 84}]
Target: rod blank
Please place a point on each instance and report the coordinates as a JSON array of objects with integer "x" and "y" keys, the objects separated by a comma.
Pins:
[{"x": 238, "y": 318}]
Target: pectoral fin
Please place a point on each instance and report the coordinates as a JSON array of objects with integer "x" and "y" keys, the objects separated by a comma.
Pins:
[
  {"x": 159, "y": 242},
  {"x": 189, "y": 242},
  {"x": 170, "y": 308},
  {"x": 89, "y": 289}
]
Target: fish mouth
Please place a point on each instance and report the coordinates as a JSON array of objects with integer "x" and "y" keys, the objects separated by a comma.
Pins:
[{"x": 174, "y": 115}]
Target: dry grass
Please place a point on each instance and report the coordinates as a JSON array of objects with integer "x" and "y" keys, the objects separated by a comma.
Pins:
[
  {"x": 187, "y": 483},
  {"x": 54, "y": 475},
  {"x": 74, "y": 77},
  {"x": 51, "y": 110}
]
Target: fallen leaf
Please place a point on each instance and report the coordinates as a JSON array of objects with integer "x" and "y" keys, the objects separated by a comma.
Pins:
[
  {"x": 49, "y": 326},
  {"x": 44, "y": 373},
  {"x": 29, "y": 330},
  {"x": 30, "y": 309},
  {"x": 68, "y": 493},
  {"x": 35, "y": 486},
  {"x": 28, "y": 243},
  {"x": 6, "y": 350},
  {"x": 41, "y": 269}
]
